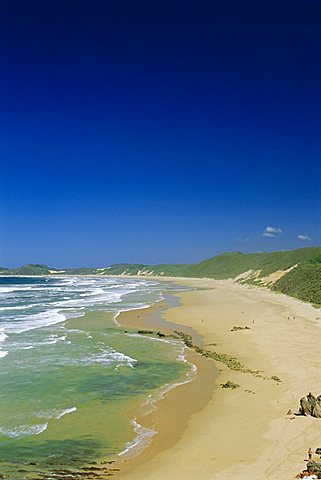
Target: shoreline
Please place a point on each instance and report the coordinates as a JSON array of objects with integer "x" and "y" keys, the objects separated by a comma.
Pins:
[
  {"x": 242, "y": 433},
  {"x": 263, "y": 344},
  {"x": 168, "y": 407}
]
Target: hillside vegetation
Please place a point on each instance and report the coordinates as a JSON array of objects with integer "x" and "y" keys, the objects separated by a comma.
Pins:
[
  {"x": 229, "y": 265},
  {"x": 304, "y": 283},
  {"x": 294, "y": 272}
]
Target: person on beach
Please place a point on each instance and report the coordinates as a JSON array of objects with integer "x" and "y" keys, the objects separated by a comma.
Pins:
[{"x": 310, "y": 451}]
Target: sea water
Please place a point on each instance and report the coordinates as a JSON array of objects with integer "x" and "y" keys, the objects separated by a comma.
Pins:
[{"x": 71, "y": 377}]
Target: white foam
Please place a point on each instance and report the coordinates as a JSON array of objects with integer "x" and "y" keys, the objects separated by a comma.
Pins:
[
  {"x": 112, "y": 357},
  {"x": 96, "y": 291},
  {"x": 51, "y": 340},
  {"x": 65, "y": 412},
  {"x": 70, "y": 297},
  {"x": 89, "y": 300},
  {"x": 189, "y": 377},
  {"x": 104, "y": 358},
  {"x": 144, "y": 435},
  {"x": 18, "y": 307},
  {"x": 23, "y": 430},
  {"x": 25, "y": 323},
  {"x": 68, "y": 280},
  {"x": 122, "y": 359},
  {"x": 140, "y": 442},
  {"x": 13, "y": 289},
  {"x": 74, "y": 312},
  {"x": 82, "y": 332},
  {"x": 55, "y": 413},
  {"x": 138, "y": 307},
  {"x": 3, "y": 336}
]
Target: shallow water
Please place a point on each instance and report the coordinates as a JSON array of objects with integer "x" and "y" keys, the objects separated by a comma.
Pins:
[{"x": 69, "y": 376}]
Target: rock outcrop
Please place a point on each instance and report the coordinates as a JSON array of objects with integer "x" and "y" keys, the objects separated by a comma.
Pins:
[
  {"x": 311, "y": 405},
  {"x": 314, "y": 468}
]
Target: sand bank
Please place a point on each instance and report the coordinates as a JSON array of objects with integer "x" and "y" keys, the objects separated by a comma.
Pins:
[{"x": 208, "y": 433}]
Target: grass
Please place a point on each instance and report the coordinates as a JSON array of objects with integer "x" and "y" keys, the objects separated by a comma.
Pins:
[
  {"x": 303, "y": 282},
  {"x": 229, "y": 265}
]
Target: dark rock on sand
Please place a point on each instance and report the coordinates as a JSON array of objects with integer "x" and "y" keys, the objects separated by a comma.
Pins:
[
  {"x": 236, "y": 328},
  {"x": 311, "y": 405},
  {"x": 314, "y": 467},
  {"x": 229, "y": 384},
  {"x": 161, "y": 335}
]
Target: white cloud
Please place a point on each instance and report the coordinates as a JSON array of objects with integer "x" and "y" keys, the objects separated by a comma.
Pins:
[
  {"x": 304, "y": 237},
  {"x": 271, "y": 232}
]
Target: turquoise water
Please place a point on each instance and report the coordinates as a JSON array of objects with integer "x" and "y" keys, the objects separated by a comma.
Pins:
[{"x": 71, "y": 378}]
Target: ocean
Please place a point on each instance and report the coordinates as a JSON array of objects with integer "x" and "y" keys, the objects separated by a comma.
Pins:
[{"x": 71, "y": 377}]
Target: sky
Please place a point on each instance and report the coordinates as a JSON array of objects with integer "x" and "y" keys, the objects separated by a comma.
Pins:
[{"x": 158, "y": 131}]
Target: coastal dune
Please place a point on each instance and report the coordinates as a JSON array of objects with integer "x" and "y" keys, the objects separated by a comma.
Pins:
[{"x": 245, "y": 432}]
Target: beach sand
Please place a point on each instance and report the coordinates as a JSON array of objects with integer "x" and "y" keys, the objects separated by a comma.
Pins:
[{"x": 206, "y": 432}]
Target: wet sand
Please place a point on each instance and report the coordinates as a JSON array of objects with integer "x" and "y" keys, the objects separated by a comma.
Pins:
[
  {"x": 206, "y": 432},
  {"x": 172, "y": 413}
]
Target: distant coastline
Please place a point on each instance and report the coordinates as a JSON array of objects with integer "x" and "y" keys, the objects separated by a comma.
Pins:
[{"x": 294, "y": 272}]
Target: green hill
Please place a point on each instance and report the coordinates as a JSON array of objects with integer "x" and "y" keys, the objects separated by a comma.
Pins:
[
  {"x": 31, "y": 269},
  {"x": 36, "y": 269},
  {"x": 229, "y": 265},
  {"x": 304, "y": 283},
  {"x": 294, "y": 272}
]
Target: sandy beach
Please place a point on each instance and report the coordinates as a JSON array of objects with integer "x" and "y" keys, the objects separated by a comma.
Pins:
[{"x": 206, "y": 432}]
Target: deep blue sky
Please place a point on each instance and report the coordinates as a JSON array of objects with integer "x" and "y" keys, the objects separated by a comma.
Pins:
[{"x": 157, "y": 131}]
